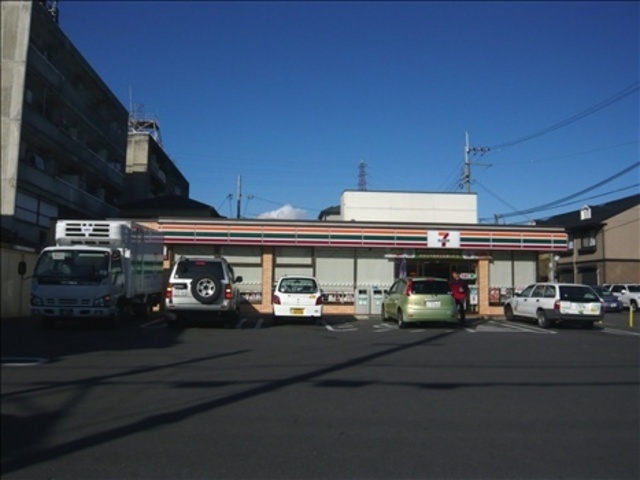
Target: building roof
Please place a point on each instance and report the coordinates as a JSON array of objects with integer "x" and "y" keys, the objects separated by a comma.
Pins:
[
  {"x": 168, "y": 206},
  {"x": 599, "y": 214}
]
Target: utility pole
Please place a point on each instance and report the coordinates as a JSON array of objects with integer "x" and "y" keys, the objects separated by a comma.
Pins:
[{"x": 466, "y": 177}]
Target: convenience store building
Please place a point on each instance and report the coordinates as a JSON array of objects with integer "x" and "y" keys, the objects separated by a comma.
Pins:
[{"x": 376, "y": 237}]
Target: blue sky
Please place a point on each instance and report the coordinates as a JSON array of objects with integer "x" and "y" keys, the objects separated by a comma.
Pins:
[{"x": 293, "y": 96}]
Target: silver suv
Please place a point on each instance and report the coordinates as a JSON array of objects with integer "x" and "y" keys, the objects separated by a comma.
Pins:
[
  {"x": 202, "y": 287},
  {"x": 550, "y": 303}
]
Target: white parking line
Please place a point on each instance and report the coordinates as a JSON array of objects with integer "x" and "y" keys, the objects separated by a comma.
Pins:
[
  {"x": 22, "y": 361},
  {"x": 259, "y": 323},
  {"x": 241, "y": 323},
  {"x": 613, "y": 331},
  {"x": 159, "y": 323},
  {"x": 384, "y": 327},
  {"x": 347, "y": 328},
  {"x": 502, "y": 327}
]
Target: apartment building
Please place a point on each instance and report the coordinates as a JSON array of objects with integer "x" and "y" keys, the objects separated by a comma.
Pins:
[
  {"x": 149, "y": 172},
  {"x": 65, "y": 141},
  {"x": 64, "y": 133}
]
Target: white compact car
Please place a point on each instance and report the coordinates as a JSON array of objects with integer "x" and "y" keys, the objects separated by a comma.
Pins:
[
  {"x": 550, "y": 303},
  {"x": 297, "y": 296}
]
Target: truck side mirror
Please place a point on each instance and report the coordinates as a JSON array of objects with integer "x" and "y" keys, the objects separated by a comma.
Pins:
[{"x": 22, "y": 268}]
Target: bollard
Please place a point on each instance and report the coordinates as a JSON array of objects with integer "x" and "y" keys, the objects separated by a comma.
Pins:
[{"x": 631, "y": 315}]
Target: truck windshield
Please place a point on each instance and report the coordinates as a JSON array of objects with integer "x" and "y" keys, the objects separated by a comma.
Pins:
[{"x": 72, "y": 266}]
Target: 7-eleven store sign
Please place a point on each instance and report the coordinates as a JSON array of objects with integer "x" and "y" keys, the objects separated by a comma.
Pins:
[{"x": 443, "y": 239}]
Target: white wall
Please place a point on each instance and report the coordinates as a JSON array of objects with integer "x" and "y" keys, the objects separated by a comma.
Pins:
[{"x": 365, "y": 206}]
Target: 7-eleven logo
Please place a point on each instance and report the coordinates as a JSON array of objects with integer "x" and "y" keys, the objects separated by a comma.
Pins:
[{"x": 443, "y": 239}]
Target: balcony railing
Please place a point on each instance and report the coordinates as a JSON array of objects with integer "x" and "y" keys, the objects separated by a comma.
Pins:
[
  {"x": 71, "y": 97},
  {"x": 64, "y": 193},
  {"x": 90, "y": 160}
]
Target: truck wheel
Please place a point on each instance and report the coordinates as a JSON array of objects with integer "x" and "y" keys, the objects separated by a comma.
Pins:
[
  {"x": 119, "y": 316},
  {"x": 143, "y": 310},
  {"x": 543, "y": 321},
  {"x": 205, "y": 288}
]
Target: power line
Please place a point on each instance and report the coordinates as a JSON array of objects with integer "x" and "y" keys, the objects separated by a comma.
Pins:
[
  {"x": 618, "y": 190},
  {"x": 569, "y": 155},
  {"x": 501, "y": 200},
  {"x": 597, "y": 107},
  {"x": 555, "y": 203}
]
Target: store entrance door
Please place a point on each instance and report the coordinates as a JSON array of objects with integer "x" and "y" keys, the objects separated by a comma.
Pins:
[
  {"x": 436, "y": 269},
  {"x": 443, "y": 269}
]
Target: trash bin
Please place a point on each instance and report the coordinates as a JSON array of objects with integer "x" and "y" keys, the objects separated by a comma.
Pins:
[
  {"x": 362, "y": 301},
  {"x": 376, "y": 300}
]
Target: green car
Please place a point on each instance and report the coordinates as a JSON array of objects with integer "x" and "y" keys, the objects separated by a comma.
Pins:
[{"x": 419, "y": 299}]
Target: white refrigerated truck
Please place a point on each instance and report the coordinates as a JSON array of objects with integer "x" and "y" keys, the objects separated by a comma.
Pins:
[{"x": 98, "y": 270}]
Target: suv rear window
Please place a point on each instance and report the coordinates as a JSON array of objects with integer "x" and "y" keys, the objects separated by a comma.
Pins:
[
  {"x": 578, "y": 294},
  {"x": 433, "y": 287},
  {"x": 193, "y": 268}
]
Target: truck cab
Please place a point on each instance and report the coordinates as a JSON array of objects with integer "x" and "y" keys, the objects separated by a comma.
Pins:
[
  {"x": 98, "y": 270},
  {"x": 77, "y": 282}
]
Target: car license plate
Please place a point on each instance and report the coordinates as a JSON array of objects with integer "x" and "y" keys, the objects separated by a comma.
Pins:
[
  {"x": 297, "y": 311},
  {"x": 66, "y": 312},
  {"x": 432, "y": 304},
  {"x": 179, "y": 293},
  {"x": 580, "y": 308}
]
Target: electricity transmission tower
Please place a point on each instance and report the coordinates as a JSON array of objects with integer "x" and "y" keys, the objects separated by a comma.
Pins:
[{"x": 362, "y": 176}]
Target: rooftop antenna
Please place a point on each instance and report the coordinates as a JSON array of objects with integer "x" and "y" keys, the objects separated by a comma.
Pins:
[
  {"x": 362, "y": 176},
  {"x": 141, "y": 122}
]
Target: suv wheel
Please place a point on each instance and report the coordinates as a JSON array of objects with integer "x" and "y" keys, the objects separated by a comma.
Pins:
[
  {"x": 205, "y": 288},
  {"x": 543, "y": 321}
]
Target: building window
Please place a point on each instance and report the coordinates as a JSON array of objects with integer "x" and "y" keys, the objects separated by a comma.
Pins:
[{"x": 589, "y": 240}]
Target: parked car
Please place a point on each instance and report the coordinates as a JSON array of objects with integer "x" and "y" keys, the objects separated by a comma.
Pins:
[
  {"x": 550, "y": 303},
  {"x": 627, "y": 293},
  {"x": 610, "y": 302},
  {"x": 202, "y": 287},
  {"x": 419, "y": 299},
  {"x": 297, "y": 296}
]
